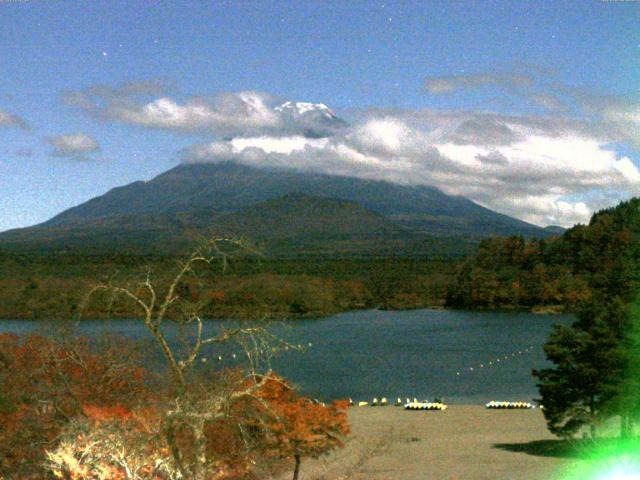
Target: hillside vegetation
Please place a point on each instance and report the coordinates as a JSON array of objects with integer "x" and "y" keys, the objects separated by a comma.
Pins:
[
  {"x": 49, "y": 287},
  {"x": 561, "y": 272}
]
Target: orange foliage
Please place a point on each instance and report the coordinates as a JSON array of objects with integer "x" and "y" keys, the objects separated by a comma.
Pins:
[
  {"x": 215, "y": 296},
  {"x": 46, "y": 383},
  {"x": 68, "y": 401},
  {"x": 300, "y": 427},
  {"x": 107, "y": 413}
]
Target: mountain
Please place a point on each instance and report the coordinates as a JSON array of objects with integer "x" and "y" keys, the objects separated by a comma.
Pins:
[
  {"x": 268, "y": 204},
  {"x": 298, "y": 215},
  {"x": 555, "y": 229},
  {"x": 316, "y": 119}
]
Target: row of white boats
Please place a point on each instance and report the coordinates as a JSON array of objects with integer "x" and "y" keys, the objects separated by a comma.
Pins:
[
  {"x": 415, "y": 404},
  {"x": 408, "y": 404},
  {"x": 510, "y": 405}
]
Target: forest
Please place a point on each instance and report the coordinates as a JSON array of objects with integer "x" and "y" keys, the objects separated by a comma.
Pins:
[
  {"x": 561, "y": 272},
  {"x": 595, "y": 372},
  {"x": 253, "y": 286}
]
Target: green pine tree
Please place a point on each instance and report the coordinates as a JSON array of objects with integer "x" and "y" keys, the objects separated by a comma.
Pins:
[{"x": 595, "y": 373}]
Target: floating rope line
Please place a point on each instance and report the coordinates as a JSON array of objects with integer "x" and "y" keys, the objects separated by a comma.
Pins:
[
  {"x": 235, "y": 356},
  {"x": 497, "y": 360},
  {"x": 415, "y": 404}
]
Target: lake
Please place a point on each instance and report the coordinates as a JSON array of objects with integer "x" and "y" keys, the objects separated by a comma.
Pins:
[{"x": 464, "y": 357}]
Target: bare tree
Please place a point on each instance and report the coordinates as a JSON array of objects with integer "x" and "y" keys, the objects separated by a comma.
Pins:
[{"x": 195, "y": 405}]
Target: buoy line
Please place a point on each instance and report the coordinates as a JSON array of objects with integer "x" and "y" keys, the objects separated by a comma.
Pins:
[
  {"x": 235, "y": 355},
  {"x": 494, "y": 361}
]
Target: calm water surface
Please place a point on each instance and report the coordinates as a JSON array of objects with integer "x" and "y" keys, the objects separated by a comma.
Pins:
[{"x": 365, "y": 354}]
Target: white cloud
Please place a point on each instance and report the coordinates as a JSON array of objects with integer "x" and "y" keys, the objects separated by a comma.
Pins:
[
  {"x": 10, "y": 120},
  {"x": 245, "y": 111},
  {"x": 539, "y": 174},
  {"x": 387, "y": 134},
  {"x": 548, "y": 174},
  {"x": 438, "y": 85},
  {"x": 283, "y": 145},
  {"x": 75, "y": 146},
  {"x": 225, "y": 115}
]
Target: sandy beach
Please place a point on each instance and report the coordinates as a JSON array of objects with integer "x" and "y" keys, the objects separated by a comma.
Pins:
[{"x": 460, "y": 443}]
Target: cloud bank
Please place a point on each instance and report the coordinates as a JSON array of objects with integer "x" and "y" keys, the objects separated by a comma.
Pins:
[
  {"x": 545, "y": 169},
  {"x": 534, "y": 170},
  {"x": 226, "y": 114},
  {"x": 76, "y": 146},
  {"x": 10, "y": 120}
]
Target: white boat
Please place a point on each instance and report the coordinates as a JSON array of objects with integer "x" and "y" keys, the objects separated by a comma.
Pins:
[{"x": 425, "y": 406}]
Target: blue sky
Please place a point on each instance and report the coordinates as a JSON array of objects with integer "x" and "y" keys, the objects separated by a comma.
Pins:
[{"x": 562, "y": 75}]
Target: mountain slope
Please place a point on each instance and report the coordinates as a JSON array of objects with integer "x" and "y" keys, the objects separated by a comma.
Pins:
[
  {"x": 190, "y": 200},
  {"x": 229, "y": 187},
  {"x": 293, "y": 219},
  {"x": 298, "y": 215}
]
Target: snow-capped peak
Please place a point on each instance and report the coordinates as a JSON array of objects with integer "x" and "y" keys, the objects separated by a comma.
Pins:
[{"x": 300, "y": 108}]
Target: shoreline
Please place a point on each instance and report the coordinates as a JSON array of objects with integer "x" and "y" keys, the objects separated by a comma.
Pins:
[{"x": 537, "y": 310}]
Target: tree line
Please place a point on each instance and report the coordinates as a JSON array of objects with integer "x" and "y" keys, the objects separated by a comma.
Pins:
[
  {"x": 586, "y": 262},
  {"x": 53, "y": 286},
  {"x": 596, "y": 361}
]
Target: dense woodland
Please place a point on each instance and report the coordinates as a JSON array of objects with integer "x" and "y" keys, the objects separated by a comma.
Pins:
[
  {"x": 50, "y": 287},
  {"x": 595, "y": 375},
  {"x": 563, "y": 272}
]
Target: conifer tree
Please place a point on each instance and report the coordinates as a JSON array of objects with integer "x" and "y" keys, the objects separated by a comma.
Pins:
[
  {"x": 595, "y": 373},
  {"x": 580, "y": 390}
]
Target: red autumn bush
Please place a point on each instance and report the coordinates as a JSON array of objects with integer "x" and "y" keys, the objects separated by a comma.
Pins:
[
  {"x": 299, "y": 427},
  {"x": 45, "y": 383},
  {"x": 75, "y": 411}
]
